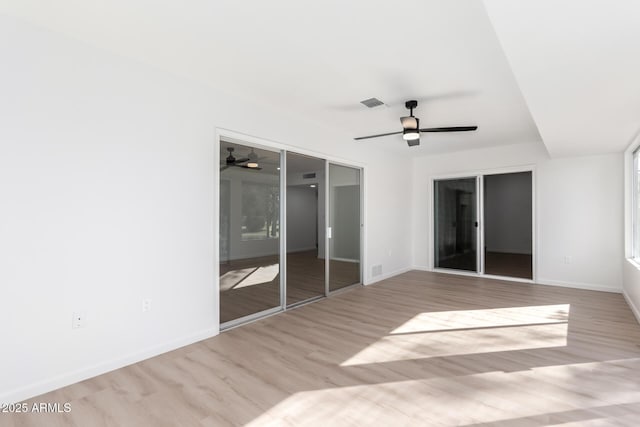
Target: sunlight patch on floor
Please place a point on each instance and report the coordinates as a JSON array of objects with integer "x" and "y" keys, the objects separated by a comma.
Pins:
[
  {"x": 451, "y": 333},
  {"x": 550, "y": 395},
  {"x": 450, "y": 343},
  {"x": 459, "y": 319}
]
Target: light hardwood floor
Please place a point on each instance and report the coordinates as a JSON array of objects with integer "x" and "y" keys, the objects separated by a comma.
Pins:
[{"x": 418, "y": 349}]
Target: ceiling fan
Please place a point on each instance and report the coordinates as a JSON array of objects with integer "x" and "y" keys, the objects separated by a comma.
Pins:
[
  {"x": 249, "y": 162},
  {"x": 411, "y": 127}
]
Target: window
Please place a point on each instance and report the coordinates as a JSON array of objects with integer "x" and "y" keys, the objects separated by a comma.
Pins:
[
  {"x": 260, "y": 211},
  {"x": 635, "y": 201}
]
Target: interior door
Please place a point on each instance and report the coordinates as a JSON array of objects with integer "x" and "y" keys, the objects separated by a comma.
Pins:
[
  {"x": 456, "y": 224},
  {"x": 345, "y": 226}
]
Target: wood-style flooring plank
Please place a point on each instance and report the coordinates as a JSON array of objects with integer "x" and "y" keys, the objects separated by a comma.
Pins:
[{"x": 423, "y": 349}]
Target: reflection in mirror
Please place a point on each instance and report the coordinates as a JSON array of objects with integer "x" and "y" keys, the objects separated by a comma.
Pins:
[
  {"x": 249, "y": 230},
  {"x": 345, "y": 223},
  {"x": 508, "y": 236},
  {"x": 305, "y": 228},
  {"x": 455, "y": 225}
]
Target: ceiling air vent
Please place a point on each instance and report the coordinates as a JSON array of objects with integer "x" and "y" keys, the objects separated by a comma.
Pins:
[
  {"x": 371, "y": 102},
  {"x": 309, "y": 175}
]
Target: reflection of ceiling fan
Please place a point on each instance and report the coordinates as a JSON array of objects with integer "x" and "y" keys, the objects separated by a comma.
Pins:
[
  {"x": 249, "y": 162},
  {"x": 411, "y": 127}
]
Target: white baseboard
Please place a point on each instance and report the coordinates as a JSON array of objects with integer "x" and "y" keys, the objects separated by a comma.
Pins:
[
  {"x": 382, "y": 277},
  {"x": 41, "y": 387},
  {"x": 632, "y": 306},
  {"x": 546, "y": 282},
  {"x": 472, "y": 274},
  {"x": 578, "y": 285}
]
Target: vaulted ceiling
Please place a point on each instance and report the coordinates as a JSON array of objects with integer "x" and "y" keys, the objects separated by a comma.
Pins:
[{"x": 512, "y": 68}]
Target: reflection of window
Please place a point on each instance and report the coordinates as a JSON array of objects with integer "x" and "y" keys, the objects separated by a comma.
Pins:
[{"x": 260, "y": 211}]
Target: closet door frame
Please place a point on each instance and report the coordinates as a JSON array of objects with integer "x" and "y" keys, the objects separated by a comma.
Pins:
[
  {"x": 479, "y": 175},
  {"x": 283, "y": 149}
]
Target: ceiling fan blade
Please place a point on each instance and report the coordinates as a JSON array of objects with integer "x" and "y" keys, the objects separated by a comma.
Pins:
[
  {"x": 246, "y": 159},
  {"x": 376, "y": 136},
  {"x": 409, "y": 122},
  {"x": 450, "y": 129},
  {"x": 247, "y": 167}
]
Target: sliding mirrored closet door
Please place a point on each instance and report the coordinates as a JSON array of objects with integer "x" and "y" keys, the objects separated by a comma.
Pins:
[
  {"x": 249, "y": 231},
  {"x": 345, "y": 223},
  {"x": 289, "y": 231},
  {"x": 305, "y": 198}
]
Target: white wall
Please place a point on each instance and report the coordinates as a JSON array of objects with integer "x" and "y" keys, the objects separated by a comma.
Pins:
[
  {"x": 578, "y": 211},
  {"x": 108, "y": 197}
]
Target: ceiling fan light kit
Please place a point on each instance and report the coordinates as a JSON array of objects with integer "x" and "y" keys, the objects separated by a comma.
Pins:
[
  {"x": 411, "y": 127},
  {"x": 410, "y": 134}
]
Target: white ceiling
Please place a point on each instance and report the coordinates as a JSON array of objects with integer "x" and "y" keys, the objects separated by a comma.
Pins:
[
  {"x": 578, "y": 66},
  {"x": 322, "y": 58}
]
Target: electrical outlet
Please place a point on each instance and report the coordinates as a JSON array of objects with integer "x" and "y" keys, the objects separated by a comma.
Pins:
[
  {"x": 146, "y": 305},
  {"x": 567, "y": 260},
  {"x": 376, "y": 270},
  {"x": 79, "y": 320}
]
